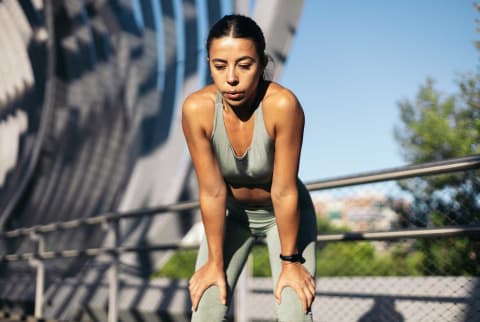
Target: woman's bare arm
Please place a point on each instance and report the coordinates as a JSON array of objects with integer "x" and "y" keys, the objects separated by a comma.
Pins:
[
  {"x": 288, "y": 132},
  {"x": 212, "y": 187},
  {"x": 213, "y": 193},
  {"x": 288, "y": 118}
]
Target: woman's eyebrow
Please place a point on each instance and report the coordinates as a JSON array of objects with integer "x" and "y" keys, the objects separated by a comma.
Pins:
[
  {"x": 220, "y": 60},
  {"x": 245, "y": 58}
]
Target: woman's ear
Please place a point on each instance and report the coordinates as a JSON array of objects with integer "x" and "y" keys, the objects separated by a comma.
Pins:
[{"x": 265, "y": 61}]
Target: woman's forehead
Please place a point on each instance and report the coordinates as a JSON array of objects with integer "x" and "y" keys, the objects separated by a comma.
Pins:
[{"x": 232, "y": 46}]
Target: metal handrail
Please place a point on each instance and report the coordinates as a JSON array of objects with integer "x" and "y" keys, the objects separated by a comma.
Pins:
[
  {"x": 95, "y": 251},
  {"x": 401, "y": 234},
  {"x": 100, "y": 219},
  {"x": 417, "y": 170},
  {"x": 429, "y": 168},
  {"x": 349, "y": 236}
]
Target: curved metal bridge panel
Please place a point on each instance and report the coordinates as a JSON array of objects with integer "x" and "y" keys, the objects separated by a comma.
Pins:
[{"x": 90, "y": 99}]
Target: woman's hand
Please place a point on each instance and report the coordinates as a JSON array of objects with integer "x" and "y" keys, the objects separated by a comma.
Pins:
[
  {"x": 297, "y": 277},
  {"x": 208, "y": 275}
]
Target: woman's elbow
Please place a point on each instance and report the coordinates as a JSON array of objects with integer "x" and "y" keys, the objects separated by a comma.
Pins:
[
  {"x": 214, "y": 192},
  {"x": 279, "y": 194}
]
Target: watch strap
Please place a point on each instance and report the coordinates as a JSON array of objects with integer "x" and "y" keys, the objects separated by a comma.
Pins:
[{"x": 294, "y": 258}]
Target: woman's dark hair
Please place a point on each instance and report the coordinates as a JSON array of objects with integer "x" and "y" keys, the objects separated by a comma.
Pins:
[{"x": 238, "y": 26}]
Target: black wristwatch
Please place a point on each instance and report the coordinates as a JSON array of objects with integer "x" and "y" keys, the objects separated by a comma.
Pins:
[{"x": 295, "y": 258}]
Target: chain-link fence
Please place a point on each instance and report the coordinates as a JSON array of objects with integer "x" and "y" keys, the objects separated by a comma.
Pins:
[{"x": 394, "y": 279}]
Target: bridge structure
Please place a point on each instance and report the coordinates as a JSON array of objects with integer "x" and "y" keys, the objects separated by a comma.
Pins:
[{"x": 90, "y": 99}]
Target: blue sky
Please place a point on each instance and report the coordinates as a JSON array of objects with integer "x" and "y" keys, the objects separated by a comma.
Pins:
[{"x": 352, "y": 61}]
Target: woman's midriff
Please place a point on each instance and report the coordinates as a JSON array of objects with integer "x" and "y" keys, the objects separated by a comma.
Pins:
[{"x": 251, "y": 196}]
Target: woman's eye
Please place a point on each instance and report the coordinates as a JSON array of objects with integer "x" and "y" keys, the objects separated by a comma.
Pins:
[
  {"x": 219, "y": 67},
  {"x": 245, "y": 66}
]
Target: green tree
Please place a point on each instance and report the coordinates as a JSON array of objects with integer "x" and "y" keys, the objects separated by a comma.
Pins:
[
  {"x": 436, "y": 127},
  {"x": 180, "y": 265}
]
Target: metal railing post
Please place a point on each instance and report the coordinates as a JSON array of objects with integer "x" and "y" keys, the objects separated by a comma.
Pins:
[
  {"x": 39, "y": 287},
  {"x": 40, "y": 276},
  {"x": 113, "y": 274}
]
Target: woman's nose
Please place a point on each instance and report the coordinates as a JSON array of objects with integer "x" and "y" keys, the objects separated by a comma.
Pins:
[{"x": 232, "y": 78}]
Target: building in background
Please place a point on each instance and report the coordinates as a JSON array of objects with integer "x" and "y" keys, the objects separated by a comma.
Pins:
[{"x": 368, "y": 211}]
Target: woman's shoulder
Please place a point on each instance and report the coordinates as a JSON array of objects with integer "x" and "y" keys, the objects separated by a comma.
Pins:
[
  {"x": 199, "y": 109},
  {"x": 280, "y": 99},
  {"x": 201, "y": 100}
]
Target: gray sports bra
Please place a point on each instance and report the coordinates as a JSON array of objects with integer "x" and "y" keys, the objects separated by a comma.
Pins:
[{"x": 255, "y": 166}]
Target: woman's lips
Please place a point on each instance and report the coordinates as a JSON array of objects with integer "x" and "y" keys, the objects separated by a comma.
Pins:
[{"x": 233, "y": 95}]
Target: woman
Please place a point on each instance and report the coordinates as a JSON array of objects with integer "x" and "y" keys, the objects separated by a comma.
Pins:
[{"x": 244, "y": 135}]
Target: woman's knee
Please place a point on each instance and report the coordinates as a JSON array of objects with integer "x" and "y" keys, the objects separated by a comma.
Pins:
[
  {"x": 210, "y": 309},
  {"x": 290, "y": 309}
]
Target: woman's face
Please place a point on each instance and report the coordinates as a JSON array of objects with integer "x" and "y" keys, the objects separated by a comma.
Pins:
[{"x": 235, "y": 68}]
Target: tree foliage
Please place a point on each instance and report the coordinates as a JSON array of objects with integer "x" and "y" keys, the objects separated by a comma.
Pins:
[{"x": 438, "y": 127}]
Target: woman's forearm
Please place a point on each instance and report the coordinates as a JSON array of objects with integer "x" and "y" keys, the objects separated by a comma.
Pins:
[
  {"x": 288, "y": 220},
  {"x": 213, "y": 216}
]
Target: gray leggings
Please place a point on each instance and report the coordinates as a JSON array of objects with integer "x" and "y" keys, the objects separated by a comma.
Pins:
[{"x": 242, "y": 227}]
